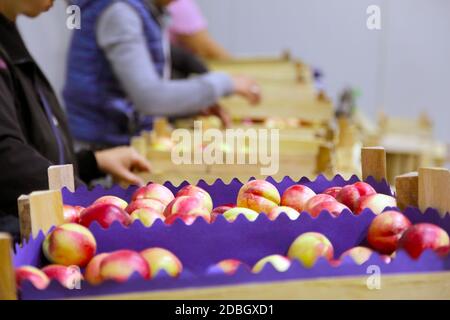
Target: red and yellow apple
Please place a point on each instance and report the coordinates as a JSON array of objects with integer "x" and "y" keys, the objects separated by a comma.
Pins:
[
  {"x": 120, "y": 265},
  {"x": 375, "y": 202},
  {"x": 118, "y": 202},
  {"x": 72, "y": 213},
  {"x": 279, "y": 262},
  {"x": 161, "y": 259},
  {"x": 385, "y": 231},
  {"x": 38, "y": 278},
  {"x": 145, "y": 203},
  {"x": 92, "y": 271},
  {"x": 423, "y": 236},
  {"x": 187, "y": 219},
  {"x": 333, "y": 207},
  {"x": 258, "y": 195},
  {"x": 105, "y": 214},
  {"x": 296, "y": 197},
  {"x": 147, "y": 216},
  {"x": 333, "y": 191},
  {"x": 290, "y": 212},
  {"x": 154, "y": 191},
  {"x": 188, "y": 206},
  {"x": 317, "y": 199},
  {"x": 69, "y": 244},
  {"x": 310, "y": 246},
  {"x": 232, "y": 214},
  {"x": 68, "y": 277},
  {"x": 194, "y": 191},
  {"x": 358, "y": 254},
  {"x": 350, "y": 194},
  {"x": 228, "y": 266},
  {"x": 218, "y": 211}
]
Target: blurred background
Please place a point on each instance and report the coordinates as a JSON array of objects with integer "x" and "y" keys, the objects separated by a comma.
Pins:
[{"x": 402, "y": 69}]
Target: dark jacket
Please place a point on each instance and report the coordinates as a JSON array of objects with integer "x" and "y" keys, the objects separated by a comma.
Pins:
[{"x": 33, "y": 129}]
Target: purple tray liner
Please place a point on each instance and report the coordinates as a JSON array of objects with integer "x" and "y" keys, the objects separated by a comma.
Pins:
[{"x": 200, "y": 245}]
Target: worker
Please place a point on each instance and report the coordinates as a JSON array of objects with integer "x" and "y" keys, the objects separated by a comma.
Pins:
[
  {"x": 189, "y": 29},
  {"x": 33, "y": 128},
  {"x": 119, "y": 73}
]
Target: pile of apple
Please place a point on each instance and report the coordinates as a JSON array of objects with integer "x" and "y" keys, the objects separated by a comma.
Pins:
[
  {"x": 156, "y": 202},
  {"x": 390, "y": 231},
  {"x": 71, "y": 247}
]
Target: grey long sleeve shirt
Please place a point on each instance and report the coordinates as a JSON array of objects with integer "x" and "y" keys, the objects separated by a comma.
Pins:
[{"x": 120, "y": 34}]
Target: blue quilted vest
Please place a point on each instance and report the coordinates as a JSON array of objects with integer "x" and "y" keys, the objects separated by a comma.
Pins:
[{"x": 98, "y": 109}]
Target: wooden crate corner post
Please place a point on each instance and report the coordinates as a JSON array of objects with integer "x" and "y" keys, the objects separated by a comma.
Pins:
[
  {"x": 60, "y": 177},
  {"x": 407, "y": 190},
  {"x": 434, "y": 189},
  {"x": 7, "y": 274},
  {"x": 40, "y": 211},
  {"x": 373, "y": 163}
]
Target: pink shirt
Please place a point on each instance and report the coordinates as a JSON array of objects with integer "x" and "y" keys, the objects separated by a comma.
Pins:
[{"x": 186, "y": 18}]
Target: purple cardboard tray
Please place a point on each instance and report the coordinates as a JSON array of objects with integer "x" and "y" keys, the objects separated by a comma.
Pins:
[{"x": 201, "y": 245}]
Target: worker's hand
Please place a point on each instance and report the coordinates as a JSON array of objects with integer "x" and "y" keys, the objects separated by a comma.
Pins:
[
  {"x": 247, "y": 88},
  {"x": 120, "y": 163},
  {"x": 218, "y": 111}
]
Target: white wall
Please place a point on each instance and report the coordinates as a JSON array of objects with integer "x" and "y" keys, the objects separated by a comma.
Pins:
[{"x": 404, "y": 67}]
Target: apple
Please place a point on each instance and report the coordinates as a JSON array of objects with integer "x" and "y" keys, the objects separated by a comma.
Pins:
[
  {"x": 310, "y": 246},
  {"x": 385, "y": 231},
  {"x": 145, "y": 203},
  {"x": 317, "y": 199},
  {"x": 422, "y": 236},
  {"x": 69, "y": 244},
  {"x": 258, "y": 195},
  {"x": 227, "y": 266},
  {"x": 333, "y": 191},
  {"x": 187, "y": 219},
  {"x": 232, "y": 214},
  {"x": 375, "y": 202},
  {"x": 194, "y": 191},
  {"x": 72, "y": 213},
  {"x": 290, "y": 212},
  {"x": 38, "y": 278},
  {"x": 350, "y": 194},
  {"x": 68, "y": 277},
  {"x": 147, "y": 216},
  {"x": 218, "y": 211},
  {"x": 296, "y": 197},
  {"x": 92, "y": 271},
  {"x": 443, "y": 251},
  {"x": 161, "y": 259},
  {"x": 122, "y": 204},
  {"x": 333, "y": 207},
  {"x": 279, "y": 262},
  {"x": 105, "y": 214},
  {"x": 120, "y": 265},
  {"x": 359, "y": 255},
  {"x": 188, "y": 206},
  {"x": 154, "y": 191}
]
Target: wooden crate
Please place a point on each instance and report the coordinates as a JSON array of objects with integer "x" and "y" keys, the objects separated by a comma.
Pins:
[
  {"x": 409, "y": 144},
  {"x": 431, "y": 186},
  {"x": 298, "y": 156},
  {"x": 288, "y": 90}
]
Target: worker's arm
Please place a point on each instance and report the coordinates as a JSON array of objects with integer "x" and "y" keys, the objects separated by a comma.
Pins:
[{"x": 120, "y": 34}]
